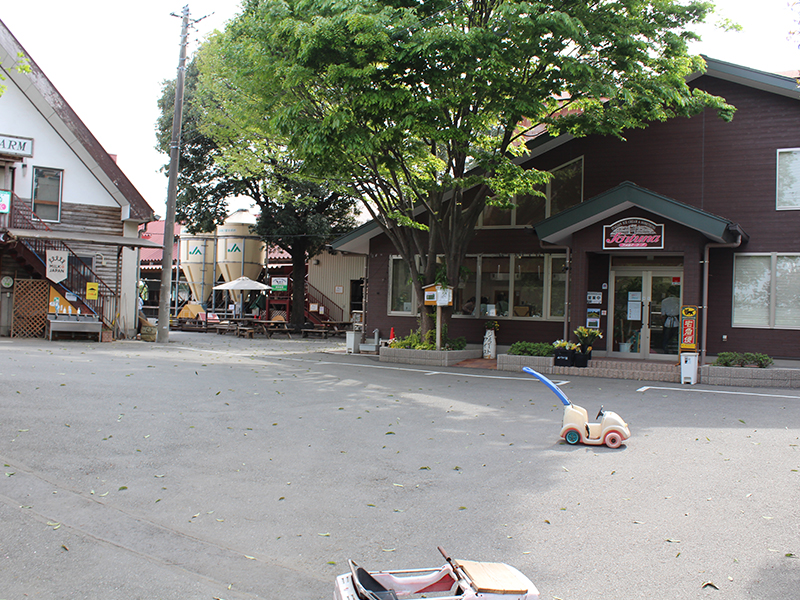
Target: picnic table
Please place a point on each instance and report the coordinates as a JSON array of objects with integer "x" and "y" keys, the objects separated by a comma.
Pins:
[{"x": 327, "y": 328}]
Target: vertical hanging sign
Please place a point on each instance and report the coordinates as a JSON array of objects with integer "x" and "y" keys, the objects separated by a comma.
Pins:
[
  {"x": 57, "y": 263},
  {"x": 689, "y": 328}
]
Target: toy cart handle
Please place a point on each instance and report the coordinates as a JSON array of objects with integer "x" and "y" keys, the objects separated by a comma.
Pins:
[{"x": 556, "y": 390}]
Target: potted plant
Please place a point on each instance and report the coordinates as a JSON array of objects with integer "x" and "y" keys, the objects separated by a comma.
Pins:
[
  {"x": 586, "y": 339},
  {"x": 490, "y": 339},
  {"x": 563, "y": 353}
]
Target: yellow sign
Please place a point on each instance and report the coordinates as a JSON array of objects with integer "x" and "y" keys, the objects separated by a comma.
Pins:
[
  {"x": 689, "y": 311},
  {"x": 91, "y": 291}
]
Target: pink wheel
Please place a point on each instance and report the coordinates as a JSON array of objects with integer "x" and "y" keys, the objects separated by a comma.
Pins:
[{"x": 613, "y": 439}]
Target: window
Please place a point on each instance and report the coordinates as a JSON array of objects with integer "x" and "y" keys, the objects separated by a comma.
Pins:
[
  {"x": 523, "y": 286},
  {"x": 47, "y": 193},
  {"x": 564, "y": 190},
  {"x": 401, "y": 292},
  {"x": 766, "y": 290},
  {"x": 788, "y": 184}
]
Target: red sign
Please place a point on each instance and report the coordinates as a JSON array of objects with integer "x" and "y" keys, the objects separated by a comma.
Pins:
[
  {"x": 689, "y": 328},
  {"x": 633, "y": 234}
]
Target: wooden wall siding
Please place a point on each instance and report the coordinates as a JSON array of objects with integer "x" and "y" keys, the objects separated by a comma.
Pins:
[
  {"x": 336, "y": 270},
  {"x": 728, "y": 169},
  {"x": 90, "y": 219}
]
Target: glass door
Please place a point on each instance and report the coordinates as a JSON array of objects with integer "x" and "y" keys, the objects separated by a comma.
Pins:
[
  {"x": 627, "y": 314},
  {"x": 645, "y": 312}
]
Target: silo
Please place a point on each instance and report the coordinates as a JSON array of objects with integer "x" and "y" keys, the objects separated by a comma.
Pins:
[
  {"x": 197, "y": 262},
  {"x": 239, "y": 252}
]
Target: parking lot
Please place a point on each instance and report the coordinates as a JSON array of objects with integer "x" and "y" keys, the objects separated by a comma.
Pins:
[{"x": 214, "y": 467}]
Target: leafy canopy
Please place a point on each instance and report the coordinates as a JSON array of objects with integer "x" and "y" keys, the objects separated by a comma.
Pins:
[{"x": 420, "y": 108}]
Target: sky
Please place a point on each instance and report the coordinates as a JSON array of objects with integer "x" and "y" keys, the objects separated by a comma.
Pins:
[{"x": 109, "y": 60}]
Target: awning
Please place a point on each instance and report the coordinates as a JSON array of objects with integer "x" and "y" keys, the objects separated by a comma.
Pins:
[
  {"x": 88, "y": 238},
  {"x": 559, "y": 228}
]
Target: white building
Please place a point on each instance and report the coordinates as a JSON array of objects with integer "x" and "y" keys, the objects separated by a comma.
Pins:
[{"x": 62, "y": 195}]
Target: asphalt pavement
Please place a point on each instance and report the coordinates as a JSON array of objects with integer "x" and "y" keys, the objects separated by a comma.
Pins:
[{"x": 215, "y": 467}]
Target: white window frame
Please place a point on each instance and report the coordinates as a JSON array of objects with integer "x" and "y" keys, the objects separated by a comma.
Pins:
[
  {"x": 773, "y": 287},
  {"x": 512, "y": 258},
  {"x": 389, "y": 295},
  {"x": 548, "y": 196},
  {"x": 778, "y": 179},
  {"x": 60, "y": 192}
]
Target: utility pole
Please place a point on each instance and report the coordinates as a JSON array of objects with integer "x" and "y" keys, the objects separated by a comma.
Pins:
[{"x": 172, "y": 189}]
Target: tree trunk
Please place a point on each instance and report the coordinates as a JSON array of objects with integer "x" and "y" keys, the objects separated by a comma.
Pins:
[{"x": 298, "y": 313}]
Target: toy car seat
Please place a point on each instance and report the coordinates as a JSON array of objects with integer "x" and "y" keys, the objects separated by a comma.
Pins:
[{"x": 367, "y": 587}]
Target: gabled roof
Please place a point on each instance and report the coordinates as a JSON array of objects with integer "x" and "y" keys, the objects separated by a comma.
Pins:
[
  {"x": 559, "y": 228},
  {"x": 54, "y": 108}
]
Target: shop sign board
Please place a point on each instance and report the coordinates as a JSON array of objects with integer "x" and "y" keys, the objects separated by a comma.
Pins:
[
  {"x": 689, "y": 328},
  {"x": 11, "y": 145},
  {"x": 5, "y": 202},
  {"x": 633, "y": 234},
  {"x": 279, "y": 284}
]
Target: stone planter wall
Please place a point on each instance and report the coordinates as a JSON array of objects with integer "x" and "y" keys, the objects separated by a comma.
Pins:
[
  {"x": 750, "y": 376},
  {"x": 511, "y": 362},
  {"x": 432, "y": 358}
]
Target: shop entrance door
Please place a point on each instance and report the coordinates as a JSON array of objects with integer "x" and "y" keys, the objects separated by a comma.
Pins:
[{"x": 645, "y": 308}]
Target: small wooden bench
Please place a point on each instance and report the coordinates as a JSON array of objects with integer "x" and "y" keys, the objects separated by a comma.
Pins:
[
  {"x": 245, "y": 332},
  {"x": 224, "y": 328},
  {"x": 316, "y": 331}
]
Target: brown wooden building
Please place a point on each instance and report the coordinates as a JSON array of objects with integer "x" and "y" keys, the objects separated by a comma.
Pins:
[{"x": 698, "y": 210}]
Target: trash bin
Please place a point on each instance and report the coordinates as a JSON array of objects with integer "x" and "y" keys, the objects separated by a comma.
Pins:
[
  {"x": 351, "y": 341},
  {"x": 689, "y": 363}
]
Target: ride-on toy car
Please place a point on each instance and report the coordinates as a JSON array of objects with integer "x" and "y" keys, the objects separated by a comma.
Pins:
[
  {"x": 455, "y": 580},
  {"x": 611, "y": 429}
]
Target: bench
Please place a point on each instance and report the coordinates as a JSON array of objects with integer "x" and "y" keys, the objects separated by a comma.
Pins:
[
  {"x": 245, "y": 332},
  {"x": 74, "y": 325},
  {"x": 316, "y": 331},
  {"x": 224, "y": 328},
  {"x": 280, "y": 329}
]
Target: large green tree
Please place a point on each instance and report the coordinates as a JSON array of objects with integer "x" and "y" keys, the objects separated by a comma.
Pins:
[
  {"x": 420, "y": 108},
  {"x": 295, "y": 214}
]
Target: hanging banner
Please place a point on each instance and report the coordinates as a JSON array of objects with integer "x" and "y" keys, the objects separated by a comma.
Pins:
[
  {"x": 5, "y": 202},
  {"x": 57, "y": 264},
  {"x": 633, "y": 234},
  {"x": 689, "y": 328}
]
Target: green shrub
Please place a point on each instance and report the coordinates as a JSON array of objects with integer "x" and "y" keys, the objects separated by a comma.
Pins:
[
  {"x": 738, "y": 359},
  {"x": 726, "y": 359},
  {"x": 531, "y": 349},
  {"x": 414, "y": 341}
]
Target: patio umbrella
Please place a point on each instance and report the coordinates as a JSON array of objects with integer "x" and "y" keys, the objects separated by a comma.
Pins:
[{"x": 242, "y": 284}]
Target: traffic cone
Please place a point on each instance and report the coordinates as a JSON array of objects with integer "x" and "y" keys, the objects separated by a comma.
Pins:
[{"x": 391, "y": 334}]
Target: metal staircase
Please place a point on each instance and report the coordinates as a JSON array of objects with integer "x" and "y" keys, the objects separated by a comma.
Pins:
[{"x": 33, "y": 253}]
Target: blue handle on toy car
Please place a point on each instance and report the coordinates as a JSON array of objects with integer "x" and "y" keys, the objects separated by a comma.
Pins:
[{"x": 561, "y": 395}]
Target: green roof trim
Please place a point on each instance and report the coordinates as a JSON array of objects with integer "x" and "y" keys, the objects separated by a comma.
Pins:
[{"x": 559, "y": 228}]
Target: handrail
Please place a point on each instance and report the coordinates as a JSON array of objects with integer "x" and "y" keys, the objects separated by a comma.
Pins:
[
  {"x": 333, "y": 312},
  {"x": 78, "y": 272}
]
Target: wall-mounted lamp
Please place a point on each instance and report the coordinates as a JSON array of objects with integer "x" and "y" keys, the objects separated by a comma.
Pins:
[
  {"x": 102, "y": 259},
  {"x": 315, "y": 261}
]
